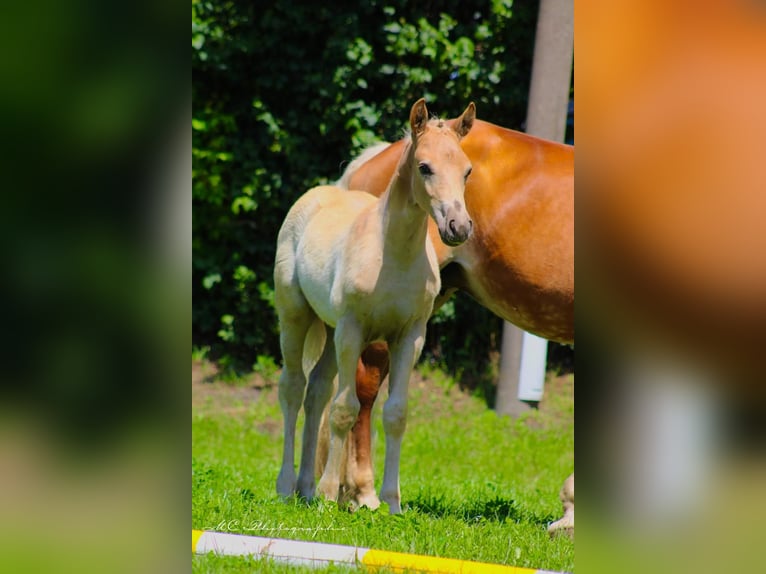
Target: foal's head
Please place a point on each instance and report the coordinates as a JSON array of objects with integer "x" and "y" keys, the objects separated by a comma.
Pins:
[{"x": 441, "y": 170}]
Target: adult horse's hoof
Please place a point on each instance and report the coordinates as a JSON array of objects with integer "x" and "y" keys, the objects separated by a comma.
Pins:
[{"x": 565, "y": 524}]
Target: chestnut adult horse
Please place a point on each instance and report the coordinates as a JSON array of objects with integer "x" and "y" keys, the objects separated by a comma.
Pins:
[
  {"x": 351, "y": 270},
  {"x": 519, "y": 262}
]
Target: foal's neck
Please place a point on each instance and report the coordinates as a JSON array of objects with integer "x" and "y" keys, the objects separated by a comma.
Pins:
[{"x": 405, "y": 224}]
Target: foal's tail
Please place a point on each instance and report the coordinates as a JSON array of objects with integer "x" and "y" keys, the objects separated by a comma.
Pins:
[
  {"x": 366, "y": 155},
  {"x": 313, "y": 345}
]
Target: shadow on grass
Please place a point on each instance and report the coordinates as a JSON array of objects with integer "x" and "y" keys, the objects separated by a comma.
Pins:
[{"x": 496, "y": 509}]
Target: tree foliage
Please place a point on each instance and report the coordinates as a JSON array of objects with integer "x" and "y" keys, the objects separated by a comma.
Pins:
[{"x": 285, "y": 93}]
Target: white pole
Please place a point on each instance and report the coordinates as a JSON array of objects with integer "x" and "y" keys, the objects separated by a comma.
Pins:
[{"x": 534, "y": 351}]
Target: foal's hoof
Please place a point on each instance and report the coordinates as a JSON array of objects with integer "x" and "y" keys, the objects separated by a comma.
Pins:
[
  {"x": 327, "y": 491},
  {"x": 306, "y": 491},
  {"x": 394, "y": 504},
  {"x": 370, "y": 500},
  {"x": 285, "y": 485}
]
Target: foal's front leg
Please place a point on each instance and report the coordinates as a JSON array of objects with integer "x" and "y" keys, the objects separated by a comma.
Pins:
[
  {"x": 404, "y": 353},
  {"x": 345, "y": 405}
]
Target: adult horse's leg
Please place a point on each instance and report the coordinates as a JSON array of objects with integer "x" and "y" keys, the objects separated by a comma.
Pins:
[
  {"x": 565, "y": 524},
  {"x": 345, "y": 405},
  {"x": 371, "y": 369},
  {"x": 404, "y": 353},
  {"x": 317, "y": 396},
  {"x": 294, "y": 326}
]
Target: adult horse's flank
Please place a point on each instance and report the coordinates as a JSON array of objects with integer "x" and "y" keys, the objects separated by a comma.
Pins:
[
  {"x": 519, "y": 262},
  {"x": 352, "y": 270}
]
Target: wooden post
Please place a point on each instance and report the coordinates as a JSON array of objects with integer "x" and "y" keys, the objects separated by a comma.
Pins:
[{"x": 546, "y": 118}]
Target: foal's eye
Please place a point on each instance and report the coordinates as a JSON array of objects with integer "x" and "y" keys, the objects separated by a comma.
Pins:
[
  {"x": 468, "y": 172},
  {"x": 425, "y": 170}
]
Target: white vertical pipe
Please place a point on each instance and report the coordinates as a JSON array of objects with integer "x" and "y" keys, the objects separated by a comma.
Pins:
[{"x": 534, "y": 351}]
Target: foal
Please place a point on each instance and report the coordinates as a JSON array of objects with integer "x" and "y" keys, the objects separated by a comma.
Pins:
[{"x": 363, "y": 270}]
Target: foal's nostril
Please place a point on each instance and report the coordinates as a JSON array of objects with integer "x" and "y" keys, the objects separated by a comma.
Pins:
[{"x": 452, "y": 227}]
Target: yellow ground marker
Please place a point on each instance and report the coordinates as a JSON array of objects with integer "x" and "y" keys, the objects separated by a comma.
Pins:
[{"x": 319, "y": 554}]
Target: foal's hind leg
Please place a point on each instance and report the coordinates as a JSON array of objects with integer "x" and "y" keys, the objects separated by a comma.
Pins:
[
  {"x": 292, "y": 382},
  {"x": 317, "y": 395}
]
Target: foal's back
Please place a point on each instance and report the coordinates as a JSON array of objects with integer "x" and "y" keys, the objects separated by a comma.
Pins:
[{"x": 312, "y": 240}]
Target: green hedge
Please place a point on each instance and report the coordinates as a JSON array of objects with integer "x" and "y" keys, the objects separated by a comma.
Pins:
[{"x": 285, "y": 93}]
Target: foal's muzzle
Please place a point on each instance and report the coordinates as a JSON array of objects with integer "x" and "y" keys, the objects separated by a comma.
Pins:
[{"x": 456, "y": 228}]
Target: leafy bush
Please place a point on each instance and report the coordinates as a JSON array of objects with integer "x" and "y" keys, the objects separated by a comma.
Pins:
[{"x": 284, "y": 94}]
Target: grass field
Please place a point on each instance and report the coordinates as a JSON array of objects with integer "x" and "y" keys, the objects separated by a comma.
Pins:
[{"x": 474, "y": 486}]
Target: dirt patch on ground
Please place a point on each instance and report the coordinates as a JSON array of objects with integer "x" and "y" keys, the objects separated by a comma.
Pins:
[
  {"x": 211, "y": 394},
  {"x": 443, "y": 398},
  {"x": 558, "y": 389},
  {"x": 556, "y": 408}
]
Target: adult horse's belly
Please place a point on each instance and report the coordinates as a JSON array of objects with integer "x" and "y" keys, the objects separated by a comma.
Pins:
[
  {"x": 518, "y": 298},
  {"x": 520, "y": 261}
]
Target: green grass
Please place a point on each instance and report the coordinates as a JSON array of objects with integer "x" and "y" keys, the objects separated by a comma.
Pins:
[{"x": 474, "y": 486}]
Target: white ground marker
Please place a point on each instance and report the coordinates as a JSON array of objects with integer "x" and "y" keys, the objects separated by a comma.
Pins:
[{"x": 319, "y": 554}]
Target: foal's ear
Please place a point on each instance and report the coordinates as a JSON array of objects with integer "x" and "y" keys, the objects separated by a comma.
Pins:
[
  {"x": 418, "y": 117},
  {"x": 464, "y": 123}
]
